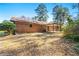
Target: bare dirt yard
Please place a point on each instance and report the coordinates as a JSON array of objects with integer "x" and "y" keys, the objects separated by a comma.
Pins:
[{"x": 36, "y": 44}]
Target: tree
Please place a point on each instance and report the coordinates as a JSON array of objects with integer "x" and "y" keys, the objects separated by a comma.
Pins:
[
  {"x": 1, "y": 26},
  {"x": 7, "y": 25},
  {"x": 41, "y": 11},
  {"x": 69, "y": 20},
  {"x": 60, "y": 14},
  {"x": 76, "y": 6},
  {"x": 34, "y": 18}
]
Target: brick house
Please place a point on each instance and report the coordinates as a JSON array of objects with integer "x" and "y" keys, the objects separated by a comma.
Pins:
[{"x": 24, "y": 25}]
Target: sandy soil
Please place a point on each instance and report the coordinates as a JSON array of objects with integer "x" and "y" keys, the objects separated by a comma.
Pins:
[{"x": 36, "y": 44}]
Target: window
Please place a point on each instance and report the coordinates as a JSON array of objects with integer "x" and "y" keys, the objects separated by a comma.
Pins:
[{"x": 30, "y": 25}]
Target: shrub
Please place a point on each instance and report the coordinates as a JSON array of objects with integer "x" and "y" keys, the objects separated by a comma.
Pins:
[
  {"x": 7, "y": 25},
  {"x": 3, "y": 33},
  {"x": 72, "y": 37},
  {"x": 68, "y": 28},
  {"x": 76, "y": 48},
  {"x": 76, "y": 38},
  {"x": 71, "y": 30}
]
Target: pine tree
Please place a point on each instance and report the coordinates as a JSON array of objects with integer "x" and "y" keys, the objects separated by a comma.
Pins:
[{"x": 41, "y": 11}]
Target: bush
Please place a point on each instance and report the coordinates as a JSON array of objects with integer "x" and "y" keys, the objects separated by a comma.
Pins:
[
  {"x": 76, "y": 47},
  {"x": 72, "y": 37},
  {"x": 68, "y": 28},
  {"x": 3, "y": 33},
  {"x": 7, "y": 25},
  {"x": 76, "y": 38},
  {"x": 71, "y": 30}
]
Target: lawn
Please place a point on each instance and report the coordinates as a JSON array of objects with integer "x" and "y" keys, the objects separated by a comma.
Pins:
[{"x": 36, "y": 44}]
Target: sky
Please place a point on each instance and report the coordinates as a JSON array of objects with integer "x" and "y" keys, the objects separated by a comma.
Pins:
[{"x": 7, "y": 10}]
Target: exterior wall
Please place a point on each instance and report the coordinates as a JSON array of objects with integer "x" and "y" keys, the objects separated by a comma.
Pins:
[
  {"x": 52, "y": 28},
  {"x": 23, "y": 27}
]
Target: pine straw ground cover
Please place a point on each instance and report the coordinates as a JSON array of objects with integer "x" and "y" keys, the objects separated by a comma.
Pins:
[{"x": 36, "y": 44}]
